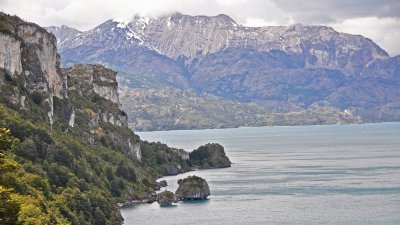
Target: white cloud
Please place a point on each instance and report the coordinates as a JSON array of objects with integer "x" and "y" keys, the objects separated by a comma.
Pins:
[
  {"x": 378, "y": 20},
  {"x": 384, "y": 31},
  {"x": 260, "y": 22}
]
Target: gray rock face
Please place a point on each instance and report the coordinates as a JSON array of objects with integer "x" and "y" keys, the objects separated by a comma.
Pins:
[
  {"x": 299, "y": 65},
  {"x": 29, "y": 53},
  {"x": 44, "y": 55},
  {"x": 97, "y": 78},
  {"x": 82, "y": 99},
  {"x": 182, "y": 153},
  {"x": 10, "y": 54},
  {"x": 87, "y": 79},
  {"x": 99, "y": 84},
  {"x": 192, "y": 188},
  {"x": 134, "y": 149},
  {"x": 179, "y": 36}
]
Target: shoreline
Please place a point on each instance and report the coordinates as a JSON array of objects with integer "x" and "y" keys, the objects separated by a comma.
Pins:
[
  {"x": 127, "y": 204},
  {"x": 297, "y": 176},
  {"x": 271, "y": 126}
]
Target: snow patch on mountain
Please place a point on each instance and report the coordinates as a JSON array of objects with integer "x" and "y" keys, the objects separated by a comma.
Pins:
[{"x": 122, "y": 25}]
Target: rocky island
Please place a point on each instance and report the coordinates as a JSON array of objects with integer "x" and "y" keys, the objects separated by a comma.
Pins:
[
  {"x": 209, "y": 156},
  {"x": 171, "y": 161},
  {"x": 166, "y": 198},
  {"x": 192, "y": 188}
]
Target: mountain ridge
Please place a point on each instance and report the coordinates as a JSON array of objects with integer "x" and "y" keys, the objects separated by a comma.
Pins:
[{"x": 299, "y": 64}]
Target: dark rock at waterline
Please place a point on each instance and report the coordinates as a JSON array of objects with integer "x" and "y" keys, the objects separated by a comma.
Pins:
[
  {"x": 152, "y": 197},
  {"x": 163, "y": 183},
  {"x": 149, "y": 197},
  {"x": 192, "y": 188},
  {"x": 160, "y": 184},
  {"x": 209, "y": 156},
  {"x": 166, "y": 198},
  {"x": 118, "y": 219}
]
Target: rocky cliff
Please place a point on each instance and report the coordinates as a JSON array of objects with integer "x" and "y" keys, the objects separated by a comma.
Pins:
[
  {"x": 94, "y": 90},
  {"x": 83, "y": 97},
  {"x": 281, "y": 68},
  {"x": 97, "y": 78},
  {"x": 57, "y": 144},
  {"x": 29, "y": 54}
]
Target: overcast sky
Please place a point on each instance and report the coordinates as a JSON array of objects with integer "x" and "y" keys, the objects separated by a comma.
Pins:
[{"x": 378, "y": 20}]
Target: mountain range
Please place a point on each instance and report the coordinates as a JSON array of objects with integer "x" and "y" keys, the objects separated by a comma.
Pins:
[{"x": 280, "y": 69}]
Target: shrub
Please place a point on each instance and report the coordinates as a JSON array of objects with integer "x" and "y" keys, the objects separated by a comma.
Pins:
[
  {"x": 27, "y": 149},
  {"x": 37, "y": 98}
]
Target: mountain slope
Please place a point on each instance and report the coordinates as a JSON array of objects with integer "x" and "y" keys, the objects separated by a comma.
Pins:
[
  {"x": 63, "y": 34},
  {"x": 67, "y": 155},
  {"x": 299, "y": 65},
  {"x": 157, "y": 105}
]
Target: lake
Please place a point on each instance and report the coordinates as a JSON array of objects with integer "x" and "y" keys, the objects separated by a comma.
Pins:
[{"x": 328, "y": 174}]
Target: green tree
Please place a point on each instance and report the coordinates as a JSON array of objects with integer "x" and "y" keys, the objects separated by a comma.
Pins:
[
  {"x": 115, "y": 191},
  {"x": 5, "y": 140},
  {"x": 109, "y": 173},
  {"x": 99, "y": 217},
  {"x": 27, "y": 149},
  {"x": 126, "y": 172},
  {"x": 9, "y": 209}
]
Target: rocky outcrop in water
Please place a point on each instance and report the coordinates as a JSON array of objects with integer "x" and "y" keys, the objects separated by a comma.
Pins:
[
  {"x": 160, "y": 184},
  {"x": 209, "y": 156},
  {"x": 166, "y": 198},
  {"x": 192, "y": 188}
]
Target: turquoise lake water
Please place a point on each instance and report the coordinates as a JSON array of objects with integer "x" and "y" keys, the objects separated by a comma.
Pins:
[{"x": 335, "y": 174}]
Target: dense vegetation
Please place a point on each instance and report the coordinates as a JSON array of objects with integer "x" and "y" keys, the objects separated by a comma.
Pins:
[
  {"x": 58, "y": 174},
  {"x": 163, "y": 160},
  {"x": 26, "y": 197},
  {"x": 83, "y": 182},
  {"x": 53, "y": 175}
]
